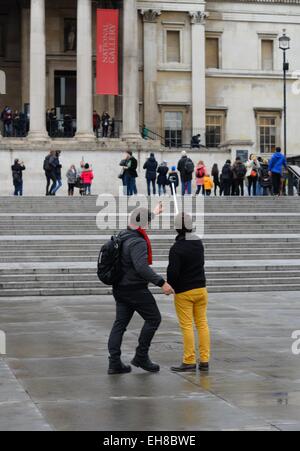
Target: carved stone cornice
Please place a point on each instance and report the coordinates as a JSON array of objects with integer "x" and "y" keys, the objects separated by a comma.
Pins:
[
  {"x": 198, "y": 17},
  {"x": 150, "y": 15}
]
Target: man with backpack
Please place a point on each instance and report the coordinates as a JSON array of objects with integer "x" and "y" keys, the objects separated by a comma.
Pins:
[
  {"x": 130, "y": 280},
  {"x": 186, "y": 168},
  {"x": 49, "y": 169},
  {"x": 239, "y": 172},
  {"x": 227, "y": 178},
  {"x": 17, "y": 174}
]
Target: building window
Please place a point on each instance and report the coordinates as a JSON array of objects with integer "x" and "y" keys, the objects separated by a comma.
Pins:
[
  {"x": 173, "y": 46},
  {"x": 267, "y": 54},
  {"x": 214, "y": 128},
  {"x": 268, "y": 131},
  {"x": 173, "y": 125},
  {"x": 212, "y": 53}
]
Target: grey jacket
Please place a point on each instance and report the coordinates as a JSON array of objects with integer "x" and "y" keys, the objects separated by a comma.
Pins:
[{"x": 135, "y": 267}]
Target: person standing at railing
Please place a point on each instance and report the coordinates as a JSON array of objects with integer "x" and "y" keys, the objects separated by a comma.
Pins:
[
  {"x": 276, "y": 165},
  {"x": 96, "y": 123},
  {"x": 105, "y": 124}
]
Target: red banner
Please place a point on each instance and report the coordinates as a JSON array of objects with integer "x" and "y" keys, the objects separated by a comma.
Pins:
[{"x": 108, "y": 52}]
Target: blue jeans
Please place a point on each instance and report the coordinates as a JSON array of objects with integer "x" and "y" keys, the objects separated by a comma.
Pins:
[
  {"x": 18, "y": 189},
  {"x": 162, "y": 189},
  {"x": 186, "y": 187},
  {"x": 58, "y": 186},
  {"x": 149, "y": 183},
  {"x": 131, "y": 185}
]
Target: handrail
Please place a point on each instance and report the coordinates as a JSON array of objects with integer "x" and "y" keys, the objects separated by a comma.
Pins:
[{"x": 294, "y": 172}]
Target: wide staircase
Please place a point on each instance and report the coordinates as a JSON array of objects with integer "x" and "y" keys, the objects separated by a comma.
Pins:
[{"x": 49, "y": 246}]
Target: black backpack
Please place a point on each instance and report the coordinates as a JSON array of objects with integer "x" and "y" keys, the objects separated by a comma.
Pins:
[
  {"x": 226, "y": 172},
  {"x": 47, "y": 166},
  {"x": 109, "y": 261},
  {"x": 240, "y": 171},
  {"x": 189, "y": 166}
]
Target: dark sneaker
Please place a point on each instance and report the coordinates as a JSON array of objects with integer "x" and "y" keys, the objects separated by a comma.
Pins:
[
  {"x": 146, "y": 365},
  {"x": 204, "y": 367},
  {"x": 119, "y": 369},
  {"x": 183, "y": 368}
]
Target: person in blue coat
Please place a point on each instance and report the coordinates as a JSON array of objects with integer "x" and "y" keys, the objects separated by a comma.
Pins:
[{"x": 276, "y": 165}]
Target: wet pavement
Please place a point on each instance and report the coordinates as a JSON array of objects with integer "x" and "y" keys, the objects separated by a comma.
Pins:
[{"x": 54, "y": 375}]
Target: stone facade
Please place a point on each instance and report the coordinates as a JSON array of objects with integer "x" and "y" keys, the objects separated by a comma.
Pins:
[{"x": 166, "y": 80}]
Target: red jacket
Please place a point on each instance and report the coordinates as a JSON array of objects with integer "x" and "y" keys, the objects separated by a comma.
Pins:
[{"x": 87, "y": 176}]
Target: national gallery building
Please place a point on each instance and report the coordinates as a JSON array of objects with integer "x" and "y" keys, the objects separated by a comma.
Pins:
[{"x": 184, "y": 68}]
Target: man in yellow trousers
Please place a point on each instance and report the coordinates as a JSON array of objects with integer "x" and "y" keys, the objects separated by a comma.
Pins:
[{"x": 186, "y": 275}]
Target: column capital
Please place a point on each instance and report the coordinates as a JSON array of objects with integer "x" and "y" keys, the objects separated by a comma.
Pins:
[
  {"x": 198, "y": 17},
  {"x": 150, "y": 15}
]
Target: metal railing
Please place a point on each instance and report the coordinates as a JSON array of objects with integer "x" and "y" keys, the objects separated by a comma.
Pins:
[{"x": 293, "y": 180}]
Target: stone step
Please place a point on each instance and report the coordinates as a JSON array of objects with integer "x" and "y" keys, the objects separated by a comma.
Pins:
[{"x": 102, "y": 291}]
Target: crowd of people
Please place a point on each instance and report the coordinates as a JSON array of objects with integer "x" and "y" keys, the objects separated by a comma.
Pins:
[
  {"x": 260, "y": 176},
  {"x": 16, "y": 124}
]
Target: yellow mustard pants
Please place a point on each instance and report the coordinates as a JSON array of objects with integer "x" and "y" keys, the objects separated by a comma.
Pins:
[{"x": 191, "y": 307}]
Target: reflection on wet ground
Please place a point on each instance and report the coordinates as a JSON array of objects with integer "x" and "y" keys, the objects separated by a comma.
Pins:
[{"x": 55, "y": 373}]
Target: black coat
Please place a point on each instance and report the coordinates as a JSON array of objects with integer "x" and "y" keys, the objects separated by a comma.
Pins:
[
  {"x": 181, "y": 168},
  {"x": 17, "y": 172},
  {"x": 162, "y": 178},
  {"x": 186, "y": 265},
  {"x": 151, "y": 166}
]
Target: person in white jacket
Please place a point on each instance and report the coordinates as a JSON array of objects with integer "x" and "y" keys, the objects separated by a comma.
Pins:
[{"x": 252, "y": 167}]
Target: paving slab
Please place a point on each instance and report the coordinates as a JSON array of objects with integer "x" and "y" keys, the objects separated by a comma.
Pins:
[{"x": 54, "y": 374}]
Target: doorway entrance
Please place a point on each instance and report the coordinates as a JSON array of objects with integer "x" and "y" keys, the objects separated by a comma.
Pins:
[{"x": 65, "y": 83}]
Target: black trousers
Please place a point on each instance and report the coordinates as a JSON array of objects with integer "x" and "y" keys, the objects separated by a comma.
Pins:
[
  {"x": 276, "y": 181},
  {"x": 227, "y": 185},
  {"x": 142, "y": 302},
  {"x": 50, "y": 176},
  {"x": 239, "y": 187}
]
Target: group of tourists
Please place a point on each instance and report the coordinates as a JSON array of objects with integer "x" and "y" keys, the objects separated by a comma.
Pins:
[
  {"x": 260, "y": 176},
  {"x": 81, "y": 178},
  {"x": 185, "y": 280},
  {"x": 104, "y": 126},
  {"x": 15, "y": 123}
]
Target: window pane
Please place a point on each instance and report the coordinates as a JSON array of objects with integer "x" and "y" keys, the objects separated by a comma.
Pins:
[
  {"x": 267, "y": 52},
  {"x": 212, "y": 53},
  {"x": 173, "y": 46},
  {"x": 173, "y": 121}
]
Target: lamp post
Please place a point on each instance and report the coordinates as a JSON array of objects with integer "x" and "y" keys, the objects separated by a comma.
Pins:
[{"x": 284, "y": 45}]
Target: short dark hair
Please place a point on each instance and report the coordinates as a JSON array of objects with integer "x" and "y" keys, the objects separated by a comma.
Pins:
[{"x": 278, "y": 149}]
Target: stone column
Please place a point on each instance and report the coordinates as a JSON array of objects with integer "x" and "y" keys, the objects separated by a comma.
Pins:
[
  {"x": 37, "y": 71},
  {"x": 198, "y": 74},
  {"x": 150, "y": 68},
  {"x": 130, "y": 73},
  {"x": 84, "y": 71},
  {"x": 25, "y": 69}
]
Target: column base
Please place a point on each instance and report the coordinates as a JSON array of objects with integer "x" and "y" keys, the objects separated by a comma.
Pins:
[
  {"x": 132, "y": 137},
  {"x": 38, "y": 136},
  {"x": 85, "y": 137}
]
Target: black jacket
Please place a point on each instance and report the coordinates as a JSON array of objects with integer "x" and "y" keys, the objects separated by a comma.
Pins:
[
  {"x": 134, "y": 263},
  {"x": 186, "y": 264},
  {"x": 132, "y": 165},
  {"x": 162, "y": 175},
  {"x": 227, "y": 173},
  {"x": 181, "y": 168},
  {"x": 151, "y": 167},
  {"x": 17, "y": 172}
]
